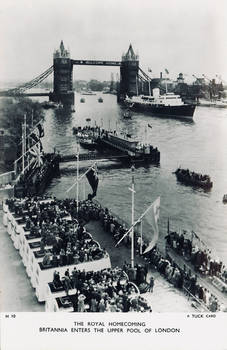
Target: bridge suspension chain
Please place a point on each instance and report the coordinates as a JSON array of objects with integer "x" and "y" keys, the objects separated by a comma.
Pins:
[
  {"x": 20, "y": 89},
  {"x": 146, "y": 77},
  {"x": 142, "y": 78}
]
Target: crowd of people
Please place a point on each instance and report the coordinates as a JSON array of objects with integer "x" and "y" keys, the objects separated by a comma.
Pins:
[
  {"x": 69, "y": 238},
  {"x": 108, "y": 290},
  {"x": 176, "y": 275},
  {"x": 183, "y": 278},
  {"x": 64, "y": 240},
  {"x": 201, "y": 259},
  {"x": 6, "y": 186}
]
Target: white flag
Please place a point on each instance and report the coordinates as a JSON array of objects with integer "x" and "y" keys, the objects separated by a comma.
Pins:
[{"x": 154, "y": 216}]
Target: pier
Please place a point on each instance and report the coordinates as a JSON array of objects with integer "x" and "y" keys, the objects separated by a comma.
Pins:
[
  {"x": 99, "y": 156},
  {"x": 91, "y": 156}
]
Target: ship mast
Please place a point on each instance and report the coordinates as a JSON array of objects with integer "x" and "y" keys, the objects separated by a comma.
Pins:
[
  {"x": 23, "y": 143},
  {"x": 77, "y": 176},
  {"x": 137, "y": 93},
  {"x": 132, "y": 189}
]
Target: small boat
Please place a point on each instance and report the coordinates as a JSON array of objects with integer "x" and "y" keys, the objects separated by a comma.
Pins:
[
  {"x": 127, "y": 114},
  {"x": 191, "y": 178},
  {"x": 82, "y": 100},
  {"x": 224, "y": 198},
  {"x": 100, "y": 99}
]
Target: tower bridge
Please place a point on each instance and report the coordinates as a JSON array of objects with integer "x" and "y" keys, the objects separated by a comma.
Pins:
[{"x": 132, "y": 78}]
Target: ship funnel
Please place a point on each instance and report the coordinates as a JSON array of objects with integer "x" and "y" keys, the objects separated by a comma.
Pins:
[{"x": 156, "y": 92}]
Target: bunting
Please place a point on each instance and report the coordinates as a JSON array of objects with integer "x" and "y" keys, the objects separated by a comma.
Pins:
[
  {"x": 35, "y": 152},
  {"x": 93, "y": 181},
  {"x": 40, "y": 130},
  {"x": 34, "y": 137},
  {"x": 154, "y": 217},
  {"x": 36, "y": 145},
  {"x": 36, "y": 134}
]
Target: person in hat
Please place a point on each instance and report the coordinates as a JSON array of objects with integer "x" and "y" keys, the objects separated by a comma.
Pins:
[
  {"x": 81, "y": 303},
  {"x": 101, "y": 306},
  {"x": 151, "y": 284}
]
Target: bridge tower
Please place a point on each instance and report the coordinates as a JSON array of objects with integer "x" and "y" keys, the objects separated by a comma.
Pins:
[
  {"x": 129, "y": 74},
  {"x": 63, "y": 73}
]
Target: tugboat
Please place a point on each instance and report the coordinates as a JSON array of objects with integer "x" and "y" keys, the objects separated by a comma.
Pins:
[{"x": 193, "y": 179}]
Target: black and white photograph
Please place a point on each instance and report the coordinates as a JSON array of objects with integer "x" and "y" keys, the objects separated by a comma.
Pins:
[{"x": 113, "y": 164}]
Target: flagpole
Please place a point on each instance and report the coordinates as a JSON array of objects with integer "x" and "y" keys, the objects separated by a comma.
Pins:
[
  {"x": 39, "y": 154},
  {"x": 34, "y": 128},
  {"x": 145, "y": 135},
  {"x": 23, "y": 143},
  {"x": 25, "y": 121},
  {"x": 77, "y": 177},
  {"x": 149, "y": 85},
  {"x": 80, "y": 178},
  {"x": 133, "y": 204},
  {"x": 23, "y": 148},
  {"x": 135, "y": 223},
  {"x": 84, "y": 189},
  {"x": 32, "y": 118},
  {"x": 141, "y": 235}
]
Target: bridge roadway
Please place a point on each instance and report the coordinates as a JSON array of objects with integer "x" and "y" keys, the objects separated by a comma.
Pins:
[
  {"x": 8, "y": 93},
  {"x": 37, "y": 94}
]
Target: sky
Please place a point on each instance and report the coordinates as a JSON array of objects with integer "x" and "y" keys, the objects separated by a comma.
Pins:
[{"x": 188, "y": 36}]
